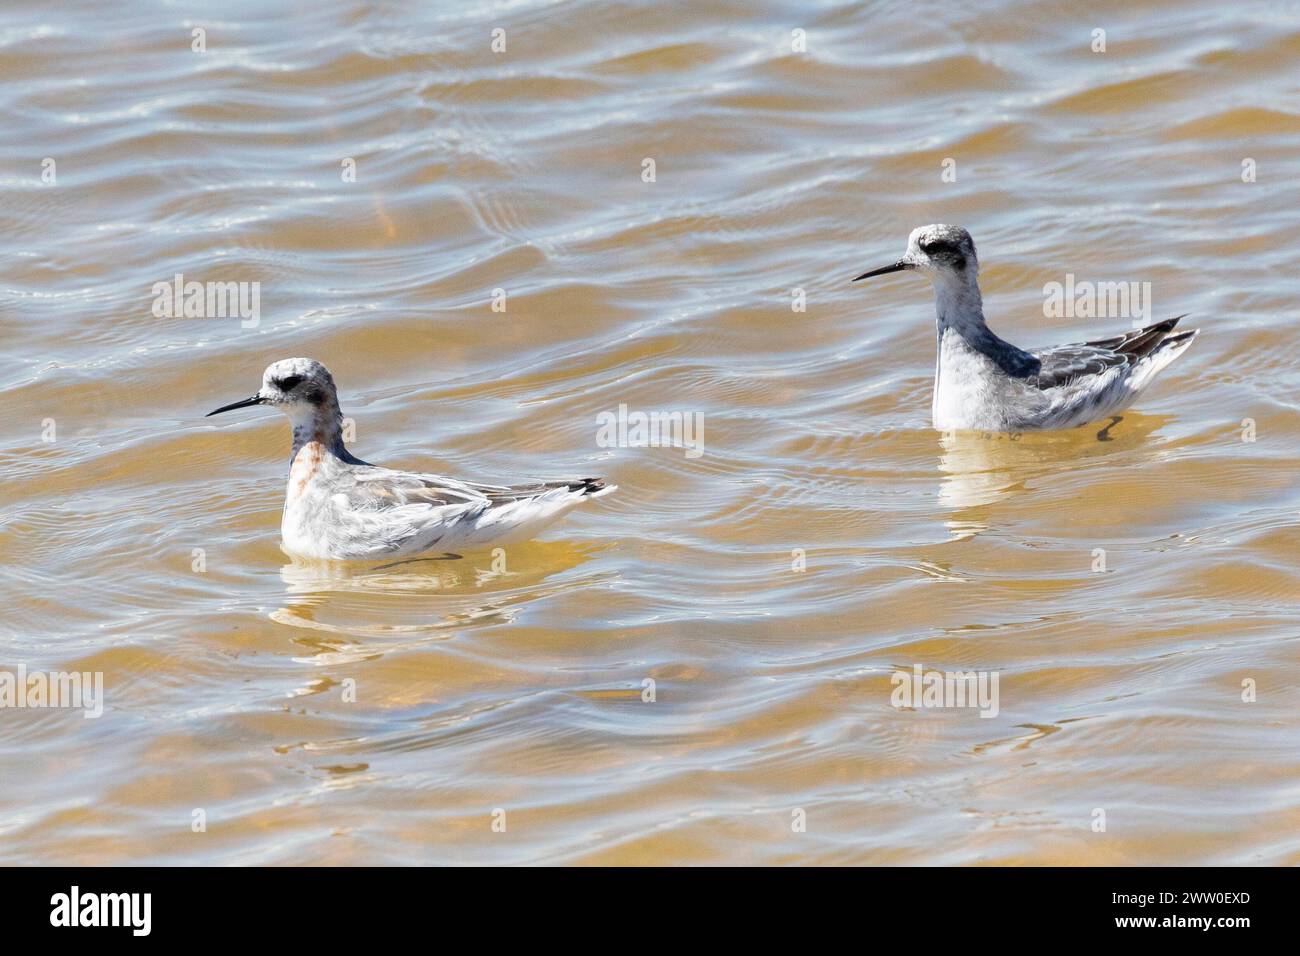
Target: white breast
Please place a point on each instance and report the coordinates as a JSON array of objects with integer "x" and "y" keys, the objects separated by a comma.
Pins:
[{"x": 961, "y": 396}]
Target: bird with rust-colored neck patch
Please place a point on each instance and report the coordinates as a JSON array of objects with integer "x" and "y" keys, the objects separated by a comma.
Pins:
[
  {"x": 984, "y": 383},
  {"x": 338, "y": 506}
]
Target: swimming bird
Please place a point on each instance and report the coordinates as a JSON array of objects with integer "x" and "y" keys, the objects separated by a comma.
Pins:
[
  {"x": 338, "y": 506},
  {"x": 983, "y": 383}
]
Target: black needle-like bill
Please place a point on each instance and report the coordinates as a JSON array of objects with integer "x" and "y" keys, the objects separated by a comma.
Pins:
[
  {"x": 255, "y": 400},
  {"x": 898, "y": 266}
]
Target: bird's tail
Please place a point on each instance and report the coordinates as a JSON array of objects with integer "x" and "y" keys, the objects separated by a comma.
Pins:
[
  {"x": 522, "y": 515},
  {"x": 589, "y": 487},
  {"x": 1172, "y": 347},
  {"x": 1169, "y": 348}
]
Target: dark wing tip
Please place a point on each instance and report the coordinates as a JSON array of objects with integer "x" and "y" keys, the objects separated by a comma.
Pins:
[
  {"x": 1186, "y": 336},
  {"x": 1138, "y": 342}
]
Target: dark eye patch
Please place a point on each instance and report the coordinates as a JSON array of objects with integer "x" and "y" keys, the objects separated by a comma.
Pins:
[
  {"x": 285, "y": 384},
  {"x": 939, "y": 246},
  {"x": 948, "y": 251}
]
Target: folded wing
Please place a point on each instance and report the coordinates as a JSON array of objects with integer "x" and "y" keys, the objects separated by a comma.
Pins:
[
  {"x": 1065, "y": 364},
  {"x": 398, "y": 513}
]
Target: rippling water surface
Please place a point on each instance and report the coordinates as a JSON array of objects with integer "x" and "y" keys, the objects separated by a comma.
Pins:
[{"x": 349, "y": 714}]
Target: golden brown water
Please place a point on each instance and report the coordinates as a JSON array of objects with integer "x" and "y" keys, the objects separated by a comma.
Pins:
[{"x": 229, "y": 689}]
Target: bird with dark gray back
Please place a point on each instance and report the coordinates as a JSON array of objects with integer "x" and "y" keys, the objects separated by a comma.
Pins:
[
  {"x": 338, "y": 506},
  {"x": 984, "y": 383}
]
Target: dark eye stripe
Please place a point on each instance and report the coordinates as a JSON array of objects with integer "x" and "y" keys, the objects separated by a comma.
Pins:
[{"x": 285, "y": 384}]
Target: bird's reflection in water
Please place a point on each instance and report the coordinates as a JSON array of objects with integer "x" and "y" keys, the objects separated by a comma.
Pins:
[
  {"x": 344, "y": 607},
  {"x": 981, "y": 468},
  {"x": 309, "y": 577},
  {"x": 353, "y": 611}
]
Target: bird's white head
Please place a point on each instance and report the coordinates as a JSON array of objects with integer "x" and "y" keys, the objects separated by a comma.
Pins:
[
  {"x": 944, "y": 252},
  {"x": 302, "y": 388}
]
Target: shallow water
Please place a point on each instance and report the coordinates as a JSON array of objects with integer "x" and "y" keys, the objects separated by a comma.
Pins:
[{"x": 337, "y": 714}]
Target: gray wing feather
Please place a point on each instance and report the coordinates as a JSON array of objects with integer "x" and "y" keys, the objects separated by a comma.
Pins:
[
  {"x": 380, "y": 489},
  {"x": 1064, "y": 364}
]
